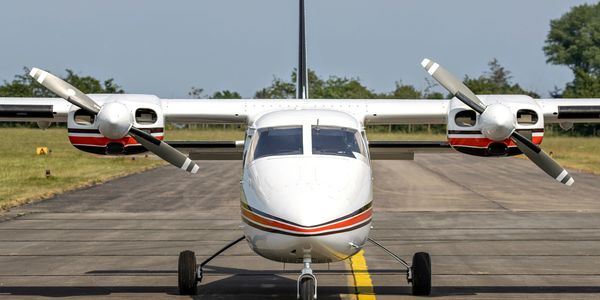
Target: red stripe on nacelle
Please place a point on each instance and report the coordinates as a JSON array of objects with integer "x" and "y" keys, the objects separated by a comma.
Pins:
[
  {"x": 103, "y": 141},
  {"x": 484, "y": 142}
]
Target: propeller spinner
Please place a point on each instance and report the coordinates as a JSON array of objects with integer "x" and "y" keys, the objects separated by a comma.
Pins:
[
  {"x": 115, "y": 120},
  {"x": 498, "y": 122}
]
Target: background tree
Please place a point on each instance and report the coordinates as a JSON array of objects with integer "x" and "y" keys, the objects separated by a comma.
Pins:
[
  {"x": 279, "y": 89},
  {"x": 25, "y": 86},
  {"x": 226, "y": 94},
  {"x": 403, "y": 91},
  {"x": 343, "y": 88},
  {"x": 497, "y": 80},
  {"x": 196, "y": 93},
  {"x": 574, "y": 41},
  {"x": 336, "y": 87}
]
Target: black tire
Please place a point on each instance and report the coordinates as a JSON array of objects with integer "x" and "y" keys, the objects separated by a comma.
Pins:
[
  {"x": 186, "y": 273},
  {"x": 421, "y": 274},
  {"x": 307, "y": 288}
]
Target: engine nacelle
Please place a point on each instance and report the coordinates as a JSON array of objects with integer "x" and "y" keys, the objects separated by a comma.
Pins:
[
  {"x": 142, "y": 111},
  {"x": 465, "y": 126}
]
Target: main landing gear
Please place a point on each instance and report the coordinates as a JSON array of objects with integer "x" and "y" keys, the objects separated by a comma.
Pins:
[
  {"x": 189, "y": 274},
  {"x": 419, "y": 274}
]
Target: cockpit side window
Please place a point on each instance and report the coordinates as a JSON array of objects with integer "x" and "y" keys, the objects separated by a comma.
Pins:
[
  {"x": 275, "y": 141},
  {"x": 340, "y": 141}
]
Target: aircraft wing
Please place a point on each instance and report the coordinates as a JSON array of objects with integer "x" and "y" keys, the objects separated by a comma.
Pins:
[
  {"x": 371, "y": 111},
  {"x": 34, "y": 109},
  {"x": 234, "y": 111},
  {"x": 571, "y": 110}
]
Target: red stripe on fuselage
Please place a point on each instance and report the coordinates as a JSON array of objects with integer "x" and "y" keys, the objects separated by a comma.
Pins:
[{"x": 280, "y": 225}]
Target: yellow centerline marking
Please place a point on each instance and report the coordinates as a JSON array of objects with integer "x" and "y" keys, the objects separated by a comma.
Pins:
[{"x": 363, "y": 286}]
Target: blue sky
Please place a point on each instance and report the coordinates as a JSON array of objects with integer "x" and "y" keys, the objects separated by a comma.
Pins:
[{"x": 166, "y": 47}]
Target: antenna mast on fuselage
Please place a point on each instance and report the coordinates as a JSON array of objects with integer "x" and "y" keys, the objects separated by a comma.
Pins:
[{"x": 302, "y": 73}]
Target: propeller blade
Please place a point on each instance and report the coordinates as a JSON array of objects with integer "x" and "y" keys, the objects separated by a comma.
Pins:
[
  {"x": 456, "y": 87},
  {"x": 65, "y": 90},
  {"x": 541, "y": 159},
  {"x": 164, "y": 151}
]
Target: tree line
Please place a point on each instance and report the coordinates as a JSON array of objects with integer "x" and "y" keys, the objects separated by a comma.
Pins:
[{"x": 573, "y": 41}]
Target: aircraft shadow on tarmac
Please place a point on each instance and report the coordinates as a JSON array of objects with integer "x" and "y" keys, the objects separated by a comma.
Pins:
[{"x": 250, "y": 284}]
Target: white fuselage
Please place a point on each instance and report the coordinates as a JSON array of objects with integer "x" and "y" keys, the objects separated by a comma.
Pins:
[{"x": 311, "y": 202}]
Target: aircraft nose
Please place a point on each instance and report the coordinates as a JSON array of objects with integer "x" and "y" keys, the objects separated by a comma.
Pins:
[{"x": 312, "y": 190}]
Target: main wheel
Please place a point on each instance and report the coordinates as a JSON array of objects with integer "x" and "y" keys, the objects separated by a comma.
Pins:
[
  {"x": 421, "y": 274},
  {"x": 307, "y": 288},
  {"x": 186, "y": 273}
]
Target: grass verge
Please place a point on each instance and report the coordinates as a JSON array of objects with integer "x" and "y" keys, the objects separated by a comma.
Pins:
[
  {"x": 578, "y": 153},
  {"x": 23, "y": 173}
]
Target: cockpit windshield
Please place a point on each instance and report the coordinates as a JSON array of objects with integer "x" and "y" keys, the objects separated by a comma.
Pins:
[
  {"x": 340, "y": 141},
  {"x": 278, "y": 141}
]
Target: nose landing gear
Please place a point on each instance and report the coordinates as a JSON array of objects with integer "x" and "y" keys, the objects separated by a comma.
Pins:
[{"x": 307, "y": 283}]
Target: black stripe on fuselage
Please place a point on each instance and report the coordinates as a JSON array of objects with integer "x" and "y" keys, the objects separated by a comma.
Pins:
[{"x": 266, "y": 215}]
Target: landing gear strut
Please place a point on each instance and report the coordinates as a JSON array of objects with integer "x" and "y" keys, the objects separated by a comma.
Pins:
[
  {"x": 189, "y": 273},
  {"x": 307, "y": 283},
  {"x": 419, "y": 274}
]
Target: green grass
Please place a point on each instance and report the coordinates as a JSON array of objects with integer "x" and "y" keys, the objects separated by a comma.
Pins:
[
  {"x": 22, "y": 172},
  {"x": 579, "y": 153}
]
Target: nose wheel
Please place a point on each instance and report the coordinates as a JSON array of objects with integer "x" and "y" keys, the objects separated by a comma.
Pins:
[
  {"x": 307, "y": 288},
  {"x": 307, "y": 283}
]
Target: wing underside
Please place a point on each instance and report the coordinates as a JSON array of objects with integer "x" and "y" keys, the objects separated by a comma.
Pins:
[{"x": 210, "y": 150}]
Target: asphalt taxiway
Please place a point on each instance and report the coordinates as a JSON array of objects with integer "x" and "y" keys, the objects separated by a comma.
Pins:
[{"x": 496, "y": 228}]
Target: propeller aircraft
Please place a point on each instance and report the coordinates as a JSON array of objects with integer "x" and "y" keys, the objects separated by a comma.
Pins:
[{"x": 306, "y": 186}]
